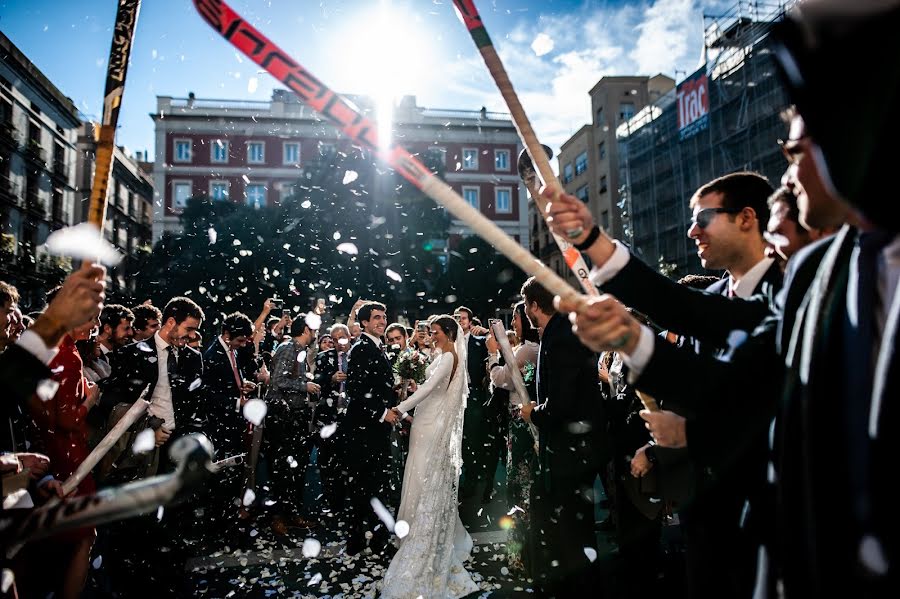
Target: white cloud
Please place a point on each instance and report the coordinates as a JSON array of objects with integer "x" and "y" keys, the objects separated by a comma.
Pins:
[
  {"x": 670, "y": 30},
  {"x": 542, "y": 44}
]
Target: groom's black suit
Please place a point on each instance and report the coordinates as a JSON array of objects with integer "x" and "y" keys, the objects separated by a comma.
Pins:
[{"x": 366, "y": 438}]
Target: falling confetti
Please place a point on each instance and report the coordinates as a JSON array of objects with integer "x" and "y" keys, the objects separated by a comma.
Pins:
[
  {"x": 393, "y": 275},
  {"x": 255, "y": 411},
  {"x": 249, "y": 497},
  {"x": 6, "y": 580},
  {"x": 590, "y": 553},
  {"x": 82, "y": 241},
  {"x": 311, "y": 547},
  {"x": 252, "y": 84},
  {"x": 46, "y": 389},
  {"x": 195, "y": 384},
  {"x": 401, "y": 529},
  {"x": 328, "y": 429},
  {"x": 316, "y": 579},
  {"x": 144, "y": 442},
  {"x": 212, "y": 235},
  {"x": 382, "y": 512},
  {"x": 313, "y": 321},
  {"x": 542, "y": 44},
  {"x": 350, "y": 177},
  {"x": 97, "y": 562}
]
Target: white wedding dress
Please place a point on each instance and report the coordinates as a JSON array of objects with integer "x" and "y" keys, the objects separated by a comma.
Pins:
[{"x": 429, "y": 561}]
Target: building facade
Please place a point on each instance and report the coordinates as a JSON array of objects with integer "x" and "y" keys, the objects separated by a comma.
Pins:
[
  {"x": 38, "y": 130},
  {"x": 129, "y": 205},
  {"x": 725, "y": 117},
  {"x": 254, "y": 152}
]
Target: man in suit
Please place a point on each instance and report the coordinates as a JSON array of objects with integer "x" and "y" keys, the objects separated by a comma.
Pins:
[
  {"x": 367, "y": 428},
  {"x": 572, "y": 448},
  {"x": 331, "y": 376},
  {"x": 169, "y": 371},
  {"x": 729, "y": 216},
  {"x": 476, "y": 442},
  {"x": 224, "y": 389},
  {"x": 115, "y": 329}
]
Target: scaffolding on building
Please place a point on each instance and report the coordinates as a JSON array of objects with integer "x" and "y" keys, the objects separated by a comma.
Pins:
[{"x": 661, "y": 167}]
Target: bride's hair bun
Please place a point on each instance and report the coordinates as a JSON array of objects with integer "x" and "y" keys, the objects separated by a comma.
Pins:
[{"x": 447, "y": 324}]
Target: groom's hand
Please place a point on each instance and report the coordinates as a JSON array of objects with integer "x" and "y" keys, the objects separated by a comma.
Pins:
[{"x": 392, "y": 416}]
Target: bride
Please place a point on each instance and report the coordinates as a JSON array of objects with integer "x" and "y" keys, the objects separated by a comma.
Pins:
[{"x": 429, "y": 561}]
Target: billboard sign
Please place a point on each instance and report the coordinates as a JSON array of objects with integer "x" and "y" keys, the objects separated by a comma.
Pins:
[{"x": 693, "y": 104}]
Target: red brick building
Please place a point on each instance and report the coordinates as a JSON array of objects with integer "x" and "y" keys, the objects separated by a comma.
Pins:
[{"x": 253, "y": 152}]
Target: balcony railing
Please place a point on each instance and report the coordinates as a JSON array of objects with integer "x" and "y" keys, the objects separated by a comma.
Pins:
[
  {"x": 34, "y": 152},
  {"x": 8, "y": 135}
]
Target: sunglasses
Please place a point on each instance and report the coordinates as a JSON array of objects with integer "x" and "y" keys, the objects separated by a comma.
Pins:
[
  {"x": 792, "y": 149},
  {"x": 705, "y": 217}
]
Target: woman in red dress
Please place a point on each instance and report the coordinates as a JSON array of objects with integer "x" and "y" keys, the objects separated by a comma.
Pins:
[{"x": 62, "y": 425}]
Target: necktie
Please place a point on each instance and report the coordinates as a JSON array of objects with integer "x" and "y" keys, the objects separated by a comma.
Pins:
[
  {"x": 172, "y": 364},
  {"x": 237, "y": 376},
  {"x": 342, "y": 361}
]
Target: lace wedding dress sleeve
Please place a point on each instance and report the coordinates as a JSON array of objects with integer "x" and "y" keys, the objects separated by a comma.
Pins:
[{"x": 438, "y": 379}]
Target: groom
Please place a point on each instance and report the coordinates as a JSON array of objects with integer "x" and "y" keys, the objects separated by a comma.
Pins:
[{"x": 367, "y": 428}]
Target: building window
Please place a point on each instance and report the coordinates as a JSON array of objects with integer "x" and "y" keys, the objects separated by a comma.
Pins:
[
  {"x": 600, "y": 122},
  {"x": 285, "y": 191},
  {"x": 567, "y": 173},
  {"x": 604, "y": 219},
  {"x": 501, "y": 160},
  {"x": 603, "y": 187},
  {"x": 470, "y": 194},
  {"x": 256, "y": 152},
  {"x": 626, "y": 111},
  {"x": 582, "y": 193},
  {"x": 182, "y": 150},
  {"x": 256, "y": 195},
  {"x": 581, "y": 163},
  {"x": 219, "y": 151},
  {"x": 326, "y": 149},
  {"x": 291, "y": 153},
  {"x": 470, "y": 159},
  {"x": 218, "y": 190},
  {"x": 601, "y": 150},
  {"x": 503, "y": 200},
  {"x": 181, "y": 191}
]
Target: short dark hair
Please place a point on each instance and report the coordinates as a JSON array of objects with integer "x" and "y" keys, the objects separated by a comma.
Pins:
[
  {"x": 365, "y": 311},
  {"x": 299, "y": 326},
  {"x": 529, "y": 333},
  {"x": 783, "y": 194},
  {"x": 396, "y": 326},
  {"x": 237, "y": 324},
  {"x": 144, "y": 314},
  {"x": 744, "y": 189},
  {"x": 533, "y": 291},
  {"x": 181, "y": 308},
  {"x": 113, "y": 314},
  {"x": 447, "y": 324},
  {"x": 273, "y": 320},
  {"x": 466, "y": 310},
  {"x": 697, "y": 281},
  {"x": 8, "y": 293}
]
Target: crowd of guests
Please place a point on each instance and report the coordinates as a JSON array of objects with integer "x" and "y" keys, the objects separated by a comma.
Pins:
[{"x": 755, "y": 406}]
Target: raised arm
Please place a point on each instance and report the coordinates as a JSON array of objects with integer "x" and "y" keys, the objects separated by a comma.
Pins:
[
  {"x": 439, "y": 381},
  {"x": 502, "y": 377}
]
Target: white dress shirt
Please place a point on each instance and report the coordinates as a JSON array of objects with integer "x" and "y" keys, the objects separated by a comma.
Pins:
[{"x": 161, "y": 404}]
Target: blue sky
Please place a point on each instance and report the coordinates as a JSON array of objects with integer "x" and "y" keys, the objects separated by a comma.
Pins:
[{"x": 554, "y": 50}]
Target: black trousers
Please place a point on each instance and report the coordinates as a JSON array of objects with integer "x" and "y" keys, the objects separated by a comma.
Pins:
[
  {"x": 288, "y": 444},
  {"x": 367, "y": 458}
]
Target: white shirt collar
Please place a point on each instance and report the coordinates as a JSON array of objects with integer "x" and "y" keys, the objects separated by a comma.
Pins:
[
  {"x": 161, "y": 343},
  {"x": 745, "y": 286},
  {"x": 373, "y": 338},
  {"x": 104, "y": 350},
  {"x": 225, "y": 345}
]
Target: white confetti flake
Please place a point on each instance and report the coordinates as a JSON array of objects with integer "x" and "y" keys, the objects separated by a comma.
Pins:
[
  {"x": 313, "y": 321},
  {"x": 401, "y": 529},
  {"x": 195, "y": 384},
  {"x": 348, "y": 248},
  {"x": 159, "y": 513},
  {"x": 382, "y": 512},
  {"x": 542, "y": 44},
  {"x": 590, "y": 553},
  {"x": 252, "y": 85},
  {"x": 142, "y": 345},
  {"x": 212, "y": 235},
  {"x": 305, "y": 204},
  {"x": 46, "y": 389},
  {"x": 350, "y": 177},
  {"x": 97, "y": 562},
  {"x": 255, "y": 411},
  {"x": 83, "y": 241},
  {"x": 504, "y": 571},
  {"x": 328, "y": 430},
  {"x": 144, "y": 442},
  {"x": 249, "y": 497},
  {"x": 336, "y": 236},
  {"x": 316, "y": 579},
  {"x": 393, "y": 275},
  {"x": 6, "y": 580},
  {"x": 311, "y": 547}
]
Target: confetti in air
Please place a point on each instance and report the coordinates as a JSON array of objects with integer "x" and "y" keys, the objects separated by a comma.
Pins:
[
  {"x": 590, "y": 553},
  {"x": 393, "y": 275},
  {"x": 249, "y": 497},
  {"x": 328, "y": 429},
  {"x": 144, "y": 442},
  {"x": 348, "y": 248},
  {"x": 311, "y": 548},
  {"x": 542, "y": 44},
  {"x": 46, "y": 389},
  {"x": 401, "y": 529},
  {"x": 255, "y": 411},
  {"x": 350, "y": 177},
  {"x": 382, "y": 512},
  {"x": 83, "y": 241}
]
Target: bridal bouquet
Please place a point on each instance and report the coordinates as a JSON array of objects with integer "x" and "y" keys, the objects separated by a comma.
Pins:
[{"x": 411, "y": 365}]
